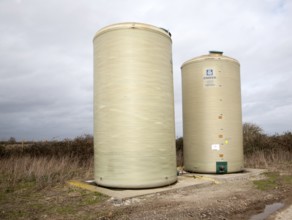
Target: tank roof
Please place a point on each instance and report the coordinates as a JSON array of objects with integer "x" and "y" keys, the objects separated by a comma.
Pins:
[
  {"x": 133, "y": 25},
  {"x": 213, "y": 54}
]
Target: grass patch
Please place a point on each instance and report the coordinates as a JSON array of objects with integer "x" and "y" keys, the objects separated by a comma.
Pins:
[
  {"x": 25, "y": 201},
  {"x": 272, "y": 181},
  {"x": 269, "y": 183},
  {"x": 67, "y": 209},
  {"x": 93, "y": 198}
]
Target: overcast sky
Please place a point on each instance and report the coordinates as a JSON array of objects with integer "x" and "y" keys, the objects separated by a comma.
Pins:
[{"x": 46, "y": 57}]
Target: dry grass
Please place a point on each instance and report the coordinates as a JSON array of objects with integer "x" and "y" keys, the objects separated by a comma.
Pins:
[
  {"x": 43, "y": 171},
  {"x": 273, "y": 160},
  {"x": 46, "y": 164}
]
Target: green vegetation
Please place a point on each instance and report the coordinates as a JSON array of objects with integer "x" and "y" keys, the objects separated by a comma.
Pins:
[
  {"x": 270, "y": 182},
  {"x": 25, "y": 201},
  {"x": 273, "y": 180}
]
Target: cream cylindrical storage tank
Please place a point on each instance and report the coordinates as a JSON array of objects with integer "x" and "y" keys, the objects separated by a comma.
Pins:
[
  {"x": 134, "y": 134},
  {"x": 212, "y": 118}
]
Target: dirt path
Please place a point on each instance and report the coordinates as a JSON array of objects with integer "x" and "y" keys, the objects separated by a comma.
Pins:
[{"x": 236, "y": 200}]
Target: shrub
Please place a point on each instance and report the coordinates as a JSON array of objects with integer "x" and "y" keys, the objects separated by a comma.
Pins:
[
  {"x": 179, "y": 151},
  {"x": 81, "y": 147}
]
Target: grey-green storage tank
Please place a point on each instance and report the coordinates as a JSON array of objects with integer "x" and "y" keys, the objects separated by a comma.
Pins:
[
  {"x": 212, "y": 121},
  {"x": 134, "y": 134}
]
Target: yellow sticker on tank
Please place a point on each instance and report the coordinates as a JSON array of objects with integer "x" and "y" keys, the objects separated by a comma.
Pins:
[{"x": 226, "y": 141}]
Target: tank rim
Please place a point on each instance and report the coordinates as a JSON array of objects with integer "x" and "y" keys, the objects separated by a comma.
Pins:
[
  {"x": 133, "y": 25},
  {"x": 209, "y": 57}
]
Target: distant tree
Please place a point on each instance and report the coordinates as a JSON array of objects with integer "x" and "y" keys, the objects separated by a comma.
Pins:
[{"x": 12, "y": 140}]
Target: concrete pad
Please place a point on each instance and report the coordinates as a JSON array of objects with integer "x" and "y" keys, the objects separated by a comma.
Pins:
[
  {"x": 183, "y": 182},
  {"x": 186, "y": 180},
  {"x": 245, "y": 175}
]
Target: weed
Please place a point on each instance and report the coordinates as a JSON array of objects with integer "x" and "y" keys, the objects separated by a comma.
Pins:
[
  {"x": 93, "y": 198},
  {"x": 68, "y": 209}
]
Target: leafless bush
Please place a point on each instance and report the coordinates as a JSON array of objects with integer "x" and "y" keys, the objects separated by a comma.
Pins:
[
  {"x": 263, "y": 151},
  {"x": 80, "y": 147},
  {"x": 179, "y": 152}
]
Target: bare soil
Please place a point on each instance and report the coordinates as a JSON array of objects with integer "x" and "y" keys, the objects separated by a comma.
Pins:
[
  {"x": 232, "y": 200},
  {"x": 236, "y": 200}
]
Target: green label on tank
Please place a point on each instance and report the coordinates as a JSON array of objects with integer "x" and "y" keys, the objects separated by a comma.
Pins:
[{"x": 221, "y": 167}]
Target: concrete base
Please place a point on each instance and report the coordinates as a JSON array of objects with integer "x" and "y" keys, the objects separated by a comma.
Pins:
[
  {"x": 186, "y": 180},
  {"x": 246, "y": 174}
]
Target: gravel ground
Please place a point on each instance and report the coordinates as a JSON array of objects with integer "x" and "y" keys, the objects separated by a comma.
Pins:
[
  {"x": 234, "y": 200},
  {"x": 238, "y": 199}
]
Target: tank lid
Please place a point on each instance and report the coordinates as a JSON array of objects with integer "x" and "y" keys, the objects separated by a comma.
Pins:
[
  {"x": 215, "y": 52},
  {"x": 166, "y": 31}
]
